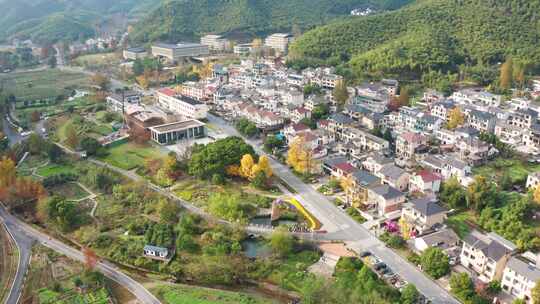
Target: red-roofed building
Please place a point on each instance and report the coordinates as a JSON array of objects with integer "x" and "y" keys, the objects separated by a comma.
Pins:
[
  {"x": 408, "y": 142},
  {"x": 300, "y": 113},
  {"x": 425, "y": 181}
]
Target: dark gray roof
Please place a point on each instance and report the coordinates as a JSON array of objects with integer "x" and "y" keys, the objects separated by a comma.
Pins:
[
  {"x": 365, "y": 178},
  {"x": 523, "y": 268},
  {"x": 444, "y": 238},
  {"x": 190, "y": 100},
  {"x": 137, "y": 50},
  {"x": 489, "y": 247},
  {"x": 392, "y": 171},
  {"x": 482, "y": 115},
  {"x": 448, "y": 104},
  {"x": 495, "y": 250},
  {"x": 427, "y": 206},
  {"x": 467, "y": 130},
  {"x": 355, "y": 108},
  {"x": 386, "y": 191},
  {"x": 341, "y": 119},
  {"x": 335, "y": 160},
  {"x": 155, "y": 248}
]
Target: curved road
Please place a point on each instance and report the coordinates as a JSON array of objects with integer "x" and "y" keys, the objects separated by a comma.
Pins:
[
  {"x": 17, "y": 227},
  {"x": 340, "y": 226}
]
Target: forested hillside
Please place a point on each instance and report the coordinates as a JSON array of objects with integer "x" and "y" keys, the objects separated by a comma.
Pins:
[
  {"x": 187, "y": 19},
  {"x": 52, "y": 20},
  {"x": 428, "y": 35}
]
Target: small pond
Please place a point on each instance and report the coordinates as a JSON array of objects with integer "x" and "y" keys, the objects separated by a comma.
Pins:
[
  {"x": 265, "y": 221},
  {"x": 256, "y": 248}
]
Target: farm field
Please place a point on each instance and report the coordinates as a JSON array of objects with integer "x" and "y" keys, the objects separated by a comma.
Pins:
[
  {"x": 44, "y": 84},
  {"x": 184, "y": 294}
]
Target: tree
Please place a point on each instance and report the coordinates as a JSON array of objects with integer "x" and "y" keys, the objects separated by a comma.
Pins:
[
  {"x": 90, "y": 145},
  {"x": 435, "y": 262},
  {"x": 168, "y": 211},
  {"x": 260, "y": 181},
  {"x": 409, "y": 295},
  {"x": 72, "y": 138},
  {"x": 340, "y": 93},
  {"x": 272, "y": 142},
  {"x": 404, "y": 97},
  {"x": 481, "y": 193},
  {"x": 61, "y": 212},
  {"x": 281, "y": 242},
  {"x": 535, "y": 293},
  {"x": 52, "y": 62},
  {"x": 264, "y": 166},
  {"x": 505, "y": 182},
  {"x": 462, "y": 286},
  {"x": 246, "y": 166},
  {"x": 320, "y": 111},
  {"x": 453, "y": 194},
  {"x": 35, "y": 144},
  {"x": 536, "y": 194},
  {"x": 8, "y": 173},
  {"x": 143, "y": 81},
  {"x": 457, "y": 118},
  {"x": 54, "y": 152},
  {"x": 90, "y": 258},
  {"x": 138, "y": 67},
  {"x": 101, "y": 81},
  {"x": 299, "y": 156},
  {"x": 506, "y": 77}
]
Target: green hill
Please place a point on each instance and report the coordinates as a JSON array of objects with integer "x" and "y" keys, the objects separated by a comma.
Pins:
[
  {"x": 188, "y": 19},
  {"x": 53, "y": 20},
  {"x": 428, "y": 35}
]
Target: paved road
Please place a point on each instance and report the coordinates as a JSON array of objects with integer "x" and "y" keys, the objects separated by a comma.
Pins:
[
  {"x": 30, "y": 234},
  {"x": 24, "y": 245},
  {"x": 340, "y": 226}
]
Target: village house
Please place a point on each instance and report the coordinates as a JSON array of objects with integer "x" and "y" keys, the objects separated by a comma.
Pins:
[
  {"x": 533, "y": 179},
  {"x": 394, "y": 176},
  {"x": 432, "y": 96},
  {"x": 375, "y": 162},
  {"x": 442, "y": 109},
  {"x": 520, "y": 276},
  {"x": 299, "y": 113},
  {"x": 407, "y": 144},
  {"x": 338, "y": 122},
  {"x": 362, "y": 181},
  {"x": 385, "y": 199},
  {"x": 445, "y": 239},
  {"x": 480, "y": 120},
  {"x": 448, "y": 166},
  {"x": 155, "y": 252},
  {"x": 425, "y": 181},
  {"x": 423, "y": 215},
  {"x": 486, "y": 254}
]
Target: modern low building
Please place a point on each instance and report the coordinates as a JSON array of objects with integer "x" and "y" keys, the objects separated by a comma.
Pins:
[
  {"x": 116, "y": 102},
  {"x": 279, "y": 41},
  {"x": 215, "y": 42},
  {"x": 175, "y": 52},
  {"x": 243, "y": 49},
  {"x": 134, "y": 53},
  {"x": 178, "y": 131},
  {"x": 183, "y": 105}
]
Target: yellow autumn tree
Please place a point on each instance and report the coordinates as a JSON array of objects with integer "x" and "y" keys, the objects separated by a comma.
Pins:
[
  {"x": 246, "y": 165},
  {"x": 8, "y": 173},
  {"x": 299, "y": 156},
  {"x": 347, "y": 183},
  {"x": 143, "y": 81},
  {"x": 264, "y": 165},
  {"x": 457, "y": 118},
  {"x": 233, "y": 170},
  {"x": 536, "y": 194},
  {"x": 405, "y": 228}
]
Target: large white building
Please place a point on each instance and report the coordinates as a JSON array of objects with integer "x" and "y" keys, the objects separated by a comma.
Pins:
[
  {"x": 174, "y": 52},
  {"x": 279, "y": 41},
  {"x": 186, "y": 106},
  {"x": 215, "y": 42}
]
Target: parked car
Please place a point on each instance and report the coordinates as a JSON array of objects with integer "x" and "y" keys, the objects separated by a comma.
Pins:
[
  {"x": 364, "y": 254},
  {"x": 379, "y": 266}
]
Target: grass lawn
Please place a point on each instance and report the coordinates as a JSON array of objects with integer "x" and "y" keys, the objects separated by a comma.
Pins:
[
  {"x": 96, "y": 59},
  {"x": 52, "y": 169},
  {"x": 458, "y": 222},
  {"x": 130, "y": 156},
  {"x": 184, "y": 294},
  {"x": 44, "y": 84},
  {"x": 517, "y": 169},
  {"x": 70, "y": 191}
]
